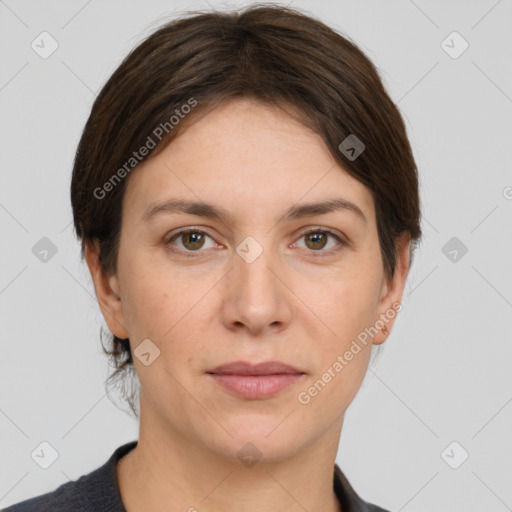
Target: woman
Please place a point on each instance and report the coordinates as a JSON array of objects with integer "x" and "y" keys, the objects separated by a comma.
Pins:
[{"x": 247, "y": 203}]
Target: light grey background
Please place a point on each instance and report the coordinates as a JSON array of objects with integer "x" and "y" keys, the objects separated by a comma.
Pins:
[{"x": 443, "y": 375}]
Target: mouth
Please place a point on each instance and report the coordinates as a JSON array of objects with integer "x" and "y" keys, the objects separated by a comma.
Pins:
[{"x": 255, "y": 382}]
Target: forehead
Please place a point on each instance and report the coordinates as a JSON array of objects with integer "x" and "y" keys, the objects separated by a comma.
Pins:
[{"x": 248, "y": 157}]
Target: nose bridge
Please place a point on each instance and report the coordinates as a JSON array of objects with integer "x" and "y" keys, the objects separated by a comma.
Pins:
[
  {"x": 252, "y": 270},
  {"x": 256, "y": 296}
]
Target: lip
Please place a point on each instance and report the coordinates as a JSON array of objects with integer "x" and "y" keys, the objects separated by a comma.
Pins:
[
  {"x": 255, "y": 382},
  {"x": 265, "y": 368}
]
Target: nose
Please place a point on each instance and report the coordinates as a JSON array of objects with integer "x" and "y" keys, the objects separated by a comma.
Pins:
[{"x": 256, "y": 297}]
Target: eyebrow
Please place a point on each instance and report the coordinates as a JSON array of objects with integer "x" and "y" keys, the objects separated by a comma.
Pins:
[{"x": 208, "y": 210}]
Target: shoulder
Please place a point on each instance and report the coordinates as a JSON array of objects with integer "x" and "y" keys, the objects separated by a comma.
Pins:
[
  {"x": 374, "y": 508},
  {"x": 69, "y": 496},
  {"x": 348, "y": 497},
  {"x": 97, "y": 490}
]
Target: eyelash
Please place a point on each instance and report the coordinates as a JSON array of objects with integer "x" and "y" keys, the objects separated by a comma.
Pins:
[{"x": 320, "y": 253}]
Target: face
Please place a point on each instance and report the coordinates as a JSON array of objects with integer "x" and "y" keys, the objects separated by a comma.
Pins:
[{"x": 267, "y": 280}]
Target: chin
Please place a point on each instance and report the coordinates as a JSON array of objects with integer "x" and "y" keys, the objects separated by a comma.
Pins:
[{"x": 263, "y": 436}]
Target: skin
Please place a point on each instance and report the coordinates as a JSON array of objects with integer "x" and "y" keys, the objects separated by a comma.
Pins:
[{"x": 295, "y": 303}]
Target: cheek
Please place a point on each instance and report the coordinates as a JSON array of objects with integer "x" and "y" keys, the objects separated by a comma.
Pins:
[
  {"x": 350, "y": 302},
  {"x": 347, "y": 304},
  {"x": 151, "y": 300},
  {"x": 164, "y": 305},
  {"x": 343, "y": 358}
]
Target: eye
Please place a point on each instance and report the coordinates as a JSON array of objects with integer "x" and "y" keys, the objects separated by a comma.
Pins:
[
  {"x": 192, "y": 240},
  {"x": 317, "y": 239}
]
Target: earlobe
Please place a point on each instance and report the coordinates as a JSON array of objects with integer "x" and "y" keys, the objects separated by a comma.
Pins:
[{"x": 106, "y": 288}]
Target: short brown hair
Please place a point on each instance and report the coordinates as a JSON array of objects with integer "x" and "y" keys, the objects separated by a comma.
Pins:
[{"x": 277, "y": 55}]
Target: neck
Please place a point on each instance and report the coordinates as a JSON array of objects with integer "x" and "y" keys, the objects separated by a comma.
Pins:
[{"x": 168, "y": 471}]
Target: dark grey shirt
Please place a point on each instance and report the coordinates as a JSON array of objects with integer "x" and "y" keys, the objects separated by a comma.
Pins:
[{"x": 98, "y": 491}]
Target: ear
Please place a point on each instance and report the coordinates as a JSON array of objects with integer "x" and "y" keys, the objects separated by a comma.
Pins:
[
  {"x": 392, "y": 290},
  {"x": 107, "y": 292}
]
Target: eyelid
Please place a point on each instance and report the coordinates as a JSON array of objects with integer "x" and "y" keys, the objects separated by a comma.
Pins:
[
  {"x": 314, "y": 229},
  {"x": 181, "y": 231},
  {"x": 341, "y": 239}
]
